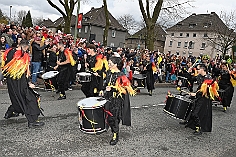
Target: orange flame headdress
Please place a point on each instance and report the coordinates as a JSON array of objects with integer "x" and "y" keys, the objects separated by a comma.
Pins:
[
  {"x": 122, "y": 85},
  {"x": 69, "y": 54},
  {"x": 101, "y": 60},
  {"x": 17, "y": 66},
  {"x": 210, "y": 86}
]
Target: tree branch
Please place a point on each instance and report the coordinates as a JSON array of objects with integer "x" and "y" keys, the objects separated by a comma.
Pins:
[{"x": 56, "y": 7}]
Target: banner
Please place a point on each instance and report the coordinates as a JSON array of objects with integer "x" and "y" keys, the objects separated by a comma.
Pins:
[{"x": 80, "y": 17}]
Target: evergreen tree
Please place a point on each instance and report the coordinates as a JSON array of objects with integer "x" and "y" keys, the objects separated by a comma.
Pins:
[
  {"x": 27, "y": 20},
  {"x": 3, "y": 18}
]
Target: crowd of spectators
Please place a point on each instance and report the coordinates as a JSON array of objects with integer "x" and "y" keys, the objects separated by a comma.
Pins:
[{"x": 43, "y": 41}]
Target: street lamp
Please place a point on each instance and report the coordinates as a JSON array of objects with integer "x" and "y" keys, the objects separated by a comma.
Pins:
[{"x": 10, "y": 14}]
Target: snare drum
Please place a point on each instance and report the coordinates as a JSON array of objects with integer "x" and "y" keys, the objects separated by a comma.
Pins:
[
  {"x": 178, "y": 106},
  {"x": 84, "y": 77},
  {"x": 91, "y": 115},
  {"x": 182, "y": 82},
  {"x": 139, "y": 80},
  {"x": 49, "y": 74}
]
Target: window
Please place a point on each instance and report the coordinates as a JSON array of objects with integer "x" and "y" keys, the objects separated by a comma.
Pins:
[
  {"x": 194, "y": 35},
  {"x": 192, "y": 25},
  {"x": 179, "y": 44},
  {"x": 112, "y": 44},
  {"x": 181, "y": 34},
  {"x": 203, "y": 46},
  {"x": 187, "y": 34},
  {"x": 191, "y": 45},
  {"x": 171, "y": 43},
  {"x": 86, "y": 29},
  {"x": 205, "y": 35},
  {"x": 79, "y": 30},
  {"x": 172, "y": 34},
  {"x": 185, "y": 44},
  {"x": 113, "y": 33}
]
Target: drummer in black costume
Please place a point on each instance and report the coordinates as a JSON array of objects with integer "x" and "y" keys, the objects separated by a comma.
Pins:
[
  {"x": 148, "y": 70},
  {"x": 52, "y": 66},
  {"x": 117, "y": 89},
  {"x": 201, "y": 116},
  {"x": 225, "y": 84},
  {"x": 94, "y": 88},
  {"x": 64, "y": 61}
]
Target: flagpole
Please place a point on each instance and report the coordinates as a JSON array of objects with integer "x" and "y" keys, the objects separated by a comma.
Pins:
[{"x": 76, "y": 22}]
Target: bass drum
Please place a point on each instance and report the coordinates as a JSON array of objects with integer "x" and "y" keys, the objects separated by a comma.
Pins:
[{"x": 178, "y": 106}]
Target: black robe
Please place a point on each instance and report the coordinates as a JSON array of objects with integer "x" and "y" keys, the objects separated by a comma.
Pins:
[
  {"x": 118, "y": 106},
  {"x": 201, "y": 115},
  {"x": 150, "y": 77},
  {"x": 23, "y": 98}
]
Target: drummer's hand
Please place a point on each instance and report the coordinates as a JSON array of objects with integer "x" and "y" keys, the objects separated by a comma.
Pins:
[
  {"x": 31, "y": 85},
  {"x": 86, "y": 65},
  {"x": 58, "y": 63},
  {"x": 101, "y": 93},
  {"x": 96, "y": 74},
  {"x": 55, "y": 67},
  {"x": 192, "y": 94},
  {"x": 108, "y": 88}
]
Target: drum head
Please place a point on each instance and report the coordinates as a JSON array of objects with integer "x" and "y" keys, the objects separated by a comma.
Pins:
[
  {"x": 139, "y": 76},
  {"x": 91, "y": 103},
  {"x": 49, "y": 74},
  {"x": 84, "y": 74}
]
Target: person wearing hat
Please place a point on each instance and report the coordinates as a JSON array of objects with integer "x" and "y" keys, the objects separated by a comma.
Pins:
[{"x": 24, "y": 100}]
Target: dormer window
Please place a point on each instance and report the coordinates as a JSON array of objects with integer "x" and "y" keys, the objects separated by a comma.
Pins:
[{"x": 192, "y": 25}]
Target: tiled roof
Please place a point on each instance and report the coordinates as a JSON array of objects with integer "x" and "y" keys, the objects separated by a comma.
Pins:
[
  {"x": 158, "y": 29},
  {"x": 47, "y": 23},
  {"x": 96, "y": 16},
  {"x": 199, "y": 22}
]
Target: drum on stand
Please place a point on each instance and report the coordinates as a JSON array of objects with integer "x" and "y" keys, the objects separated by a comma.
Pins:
[
  {"x": 139, "y": 81},
  {"x": 50, "y": 80},
  {"x": 84, "y": 77},
  {"x": 178, "y": 106},
  {"x": 92, "y": 115}
]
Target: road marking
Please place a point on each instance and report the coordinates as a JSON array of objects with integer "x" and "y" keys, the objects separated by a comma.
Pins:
[{"x": 146, "y": 106}]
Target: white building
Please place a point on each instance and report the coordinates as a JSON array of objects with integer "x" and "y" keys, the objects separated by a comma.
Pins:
[{"x": 197, "y": 34}]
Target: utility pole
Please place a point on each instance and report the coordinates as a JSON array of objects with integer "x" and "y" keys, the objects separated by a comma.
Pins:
[
  {"x": 76, "y": 21},
  {"x": 10, "y": 15}
]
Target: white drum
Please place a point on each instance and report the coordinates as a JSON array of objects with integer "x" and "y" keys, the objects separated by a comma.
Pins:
[
  {"x": 92, "y": 115},
  {"x": 49, "y": 74},
  {"x": 84, "y": 77}
]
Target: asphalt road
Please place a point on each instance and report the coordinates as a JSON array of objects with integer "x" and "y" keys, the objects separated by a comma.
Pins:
[{"x": 153, "y": 132}]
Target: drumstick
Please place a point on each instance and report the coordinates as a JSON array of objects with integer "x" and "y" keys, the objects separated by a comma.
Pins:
[{"x": 179, "y": 89}]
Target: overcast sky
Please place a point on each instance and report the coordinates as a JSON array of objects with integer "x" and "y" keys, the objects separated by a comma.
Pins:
[{"x": 41, "y": 8}]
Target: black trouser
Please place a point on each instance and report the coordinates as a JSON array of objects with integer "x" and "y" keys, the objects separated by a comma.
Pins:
[
  {"x": 114, "y": 120},
  {"x": 63, "y": 80}
]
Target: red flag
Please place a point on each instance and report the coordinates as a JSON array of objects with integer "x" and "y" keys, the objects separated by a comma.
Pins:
[{"x": 80, "y": 17}]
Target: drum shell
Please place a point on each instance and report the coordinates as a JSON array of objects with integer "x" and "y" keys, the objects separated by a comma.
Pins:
[
  {"x": 139, "y": 81},
  {"x": 83, "y": 78},
  {"x": 96, "y": 115},
  {"x": 178, "y": 107}
]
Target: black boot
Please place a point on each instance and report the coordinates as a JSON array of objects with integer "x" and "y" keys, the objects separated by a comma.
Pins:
[
  {"x": 62, "y": 96},
  {"x": 183, "y": 122},
  {"x": 11, "y": 114},
  {"x": 150, "y": 93},
  {"x": 225, "y": 108},
  {"x": 114, "y": 139},
  {"x": 35, "y": 124},
  {"x": 198, "y": 131}
]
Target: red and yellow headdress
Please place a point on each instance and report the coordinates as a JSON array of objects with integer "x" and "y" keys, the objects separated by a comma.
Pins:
[
  {"x": 17, "y": 66},
  {"x": 68, "y": 53},
  {"x": 122, "y": 85},
  {"x": 209, "y": 89},
  {"x": 101, "y": 60}
]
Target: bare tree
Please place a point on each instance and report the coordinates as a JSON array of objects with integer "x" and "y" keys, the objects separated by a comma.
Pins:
[
  {"x": 37, "y": 20},
  {"x": 105, "y": 35},
  {"x": 67, "y": 14},
  {"x": 128, "y": 22},
  {"x": 224, "y": 36},
  {"x": 152, "y": 12},
  {"x": 19, "y": 16}
]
